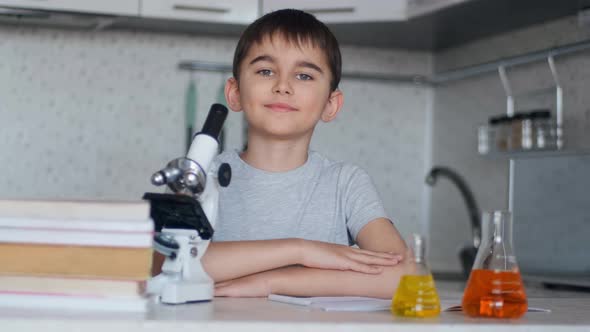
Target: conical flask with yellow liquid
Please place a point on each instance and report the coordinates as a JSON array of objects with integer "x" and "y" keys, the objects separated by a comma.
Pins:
[
  {"x": 495, "y": 288},
  {"x": 416, "y": 295}
]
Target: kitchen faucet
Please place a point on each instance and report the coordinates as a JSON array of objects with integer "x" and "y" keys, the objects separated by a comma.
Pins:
[{"x": 467, "y": 254}]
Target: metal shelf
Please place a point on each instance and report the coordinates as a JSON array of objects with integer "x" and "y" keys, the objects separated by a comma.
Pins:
[
  {"x": 524, "y": 154},
  {"x": 492, "y": 66}
]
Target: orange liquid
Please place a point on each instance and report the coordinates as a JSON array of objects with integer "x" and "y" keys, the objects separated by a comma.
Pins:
[{"x": 497, "y": 294}]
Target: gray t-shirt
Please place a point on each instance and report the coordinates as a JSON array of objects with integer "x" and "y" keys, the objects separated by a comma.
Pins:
[{"x": 321, "y": 200}]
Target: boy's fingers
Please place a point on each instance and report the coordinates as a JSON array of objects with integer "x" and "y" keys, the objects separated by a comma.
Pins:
[
  {"x": 368, "y": 269},
  {"x": 375, "y": 260},
  {"x": 381, "y": 261},
  {"x": 379, "y": 254},
  {"x": 374, "y": 269}
]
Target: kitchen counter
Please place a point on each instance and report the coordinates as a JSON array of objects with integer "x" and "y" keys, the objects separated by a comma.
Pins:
[{"x": 569, "y": 311}]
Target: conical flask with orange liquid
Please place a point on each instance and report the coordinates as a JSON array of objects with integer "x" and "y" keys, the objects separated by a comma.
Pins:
[
  {"x": 416, "y": 295},
  {"x": 495, "y": 287}
]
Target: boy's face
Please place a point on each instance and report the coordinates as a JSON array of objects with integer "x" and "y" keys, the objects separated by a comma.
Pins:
[{"x": 284, "y": 89}]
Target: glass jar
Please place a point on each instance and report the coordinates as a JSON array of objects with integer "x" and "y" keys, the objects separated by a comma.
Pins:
[
  {"x": 500, "y": 127},
  {"x": 520, "y": 132},
  {"x": 544, "y": 131}
]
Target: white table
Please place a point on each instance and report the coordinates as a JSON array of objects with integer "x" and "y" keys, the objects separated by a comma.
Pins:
[{"x": 570, "y": 312}]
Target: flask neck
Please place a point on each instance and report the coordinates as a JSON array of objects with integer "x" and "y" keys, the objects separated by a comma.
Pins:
[
  {"x": 496, "y": 251},
  {"x": 418, "y": 247},
  {"x": 500, "y": 228}
]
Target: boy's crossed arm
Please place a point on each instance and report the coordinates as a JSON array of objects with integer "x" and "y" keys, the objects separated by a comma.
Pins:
[
  {"x": 304, "y": 281},
  {"x": 257, "y": 268},
  {"x": 229, "y": 260}
]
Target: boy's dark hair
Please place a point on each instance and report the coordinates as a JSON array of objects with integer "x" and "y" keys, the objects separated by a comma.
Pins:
[{"x": 297, "y": 27}]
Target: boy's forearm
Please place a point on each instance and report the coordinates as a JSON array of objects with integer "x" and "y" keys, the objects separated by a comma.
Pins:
[
  {"x": 234, "y": 259},
  {"x": 302, "y": 281}
]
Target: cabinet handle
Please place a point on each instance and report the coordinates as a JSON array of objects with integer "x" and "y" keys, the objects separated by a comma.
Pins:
[
  {"x": 335, "y": 10},
  {"x": 215, "y": 10}
]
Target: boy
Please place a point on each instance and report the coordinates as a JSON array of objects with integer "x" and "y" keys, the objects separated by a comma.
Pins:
[{"x": 285, "y": 220}]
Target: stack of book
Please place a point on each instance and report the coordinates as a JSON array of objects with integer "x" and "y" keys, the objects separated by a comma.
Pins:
[{"x": 75, "y": 254}]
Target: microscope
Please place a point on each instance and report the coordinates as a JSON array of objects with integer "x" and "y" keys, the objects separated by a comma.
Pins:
[{"x": 184, "y": 219}]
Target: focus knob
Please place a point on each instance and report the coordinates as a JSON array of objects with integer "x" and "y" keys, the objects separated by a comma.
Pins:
[{"x": 224, "y": 175}]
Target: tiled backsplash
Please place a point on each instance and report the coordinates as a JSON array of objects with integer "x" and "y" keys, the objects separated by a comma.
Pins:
[{"x": 93, "y": 114}]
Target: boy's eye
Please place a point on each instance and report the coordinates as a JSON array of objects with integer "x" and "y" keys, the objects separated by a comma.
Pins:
[
  {"x": 304, "y": 77},
  {"x": 265, "y": 72}
]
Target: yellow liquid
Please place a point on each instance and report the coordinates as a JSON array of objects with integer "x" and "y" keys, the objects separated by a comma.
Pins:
[{"x": 416, "y": 297}]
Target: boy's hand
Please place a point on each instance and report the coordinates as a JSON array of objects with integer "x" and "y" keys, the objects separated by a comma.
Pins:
[{"x": 324, "y": 255}]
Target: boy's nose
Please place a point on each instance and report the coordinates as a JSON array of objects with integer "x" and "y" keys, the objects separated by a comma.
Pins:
[{"x": 283, "y": 87}]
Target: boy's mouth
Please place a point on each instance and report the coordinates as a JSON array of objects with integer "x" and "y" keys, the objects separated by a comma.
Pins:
[{"x": 280, "y": 107}]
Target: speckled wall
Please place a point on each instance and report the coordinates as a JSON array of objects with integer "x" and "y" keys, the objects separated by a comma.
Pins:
[
  {"x": 384, "y": 129},
  {"x": 461, "y": 106},
  {"x": 94, "y": 114}
]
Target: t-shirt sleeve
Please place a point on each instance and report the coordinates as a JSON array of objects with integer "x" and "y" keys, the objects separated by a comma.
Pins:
[{"x": 362, "y": 203}]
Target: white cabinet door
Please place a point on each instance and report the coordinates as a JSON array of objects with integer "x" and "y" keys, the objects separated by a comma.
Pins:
[
  {"x": 114, "y": 7},
  {"x": 223, "y": 11},
  {"x": 343, "y": 11}
]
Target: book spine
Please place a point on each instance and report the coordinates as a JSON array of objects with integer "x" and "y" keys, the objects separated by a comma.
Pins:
[
  {"x": 16, "y": 284},
  {"x": 43, "y": 301},
  {"x": 75, "y": 261}
]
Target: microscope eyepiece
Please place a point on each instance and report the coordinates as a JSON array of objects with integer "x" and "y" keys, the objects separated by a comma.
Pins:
[{"x": 214, "y": 121}]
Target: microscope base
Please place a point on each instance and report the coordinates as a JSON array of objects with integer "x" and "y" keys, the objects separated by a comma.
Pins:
[
  {"x": 171, "y": 290},
  {"x": 183, "y": 292}
]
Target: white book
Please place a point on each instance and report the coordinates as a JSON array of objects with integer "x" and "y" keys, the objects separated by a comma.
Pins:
[
  {"x": 75, "y": 209},
  {"x": 82, "y": 225},
  {"x": 74, "y": 303},
  {"x": 75, "y": 238},
  {"x": 116, "y": 233},
  {"x": 49, "y": 285}
]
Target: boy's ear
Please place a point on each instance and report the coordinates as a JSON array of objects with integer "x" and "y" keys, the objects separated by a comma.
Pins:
[
  {"x": 232, "y": 94},
  {"x": 333, "y": 106}
]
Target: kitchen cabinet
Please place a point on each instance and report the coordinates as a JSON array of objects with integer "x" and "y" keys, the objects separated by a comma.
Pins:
[
  {"x": 344, "y": 11},
  {"x": 111, "y": 7},
  {"x": 222, "y": 11}
]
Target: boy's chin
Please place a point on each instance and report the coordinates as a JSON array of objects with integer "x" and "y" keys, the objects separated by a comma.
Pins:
[{"x": 282, "y": 134}]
